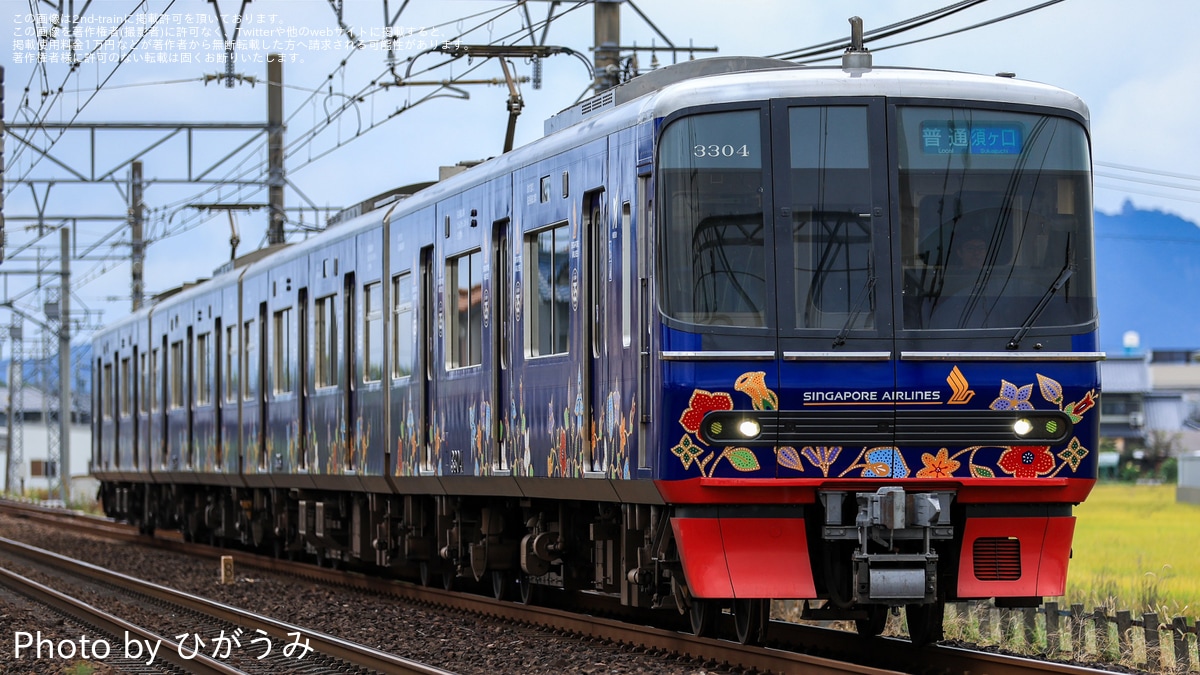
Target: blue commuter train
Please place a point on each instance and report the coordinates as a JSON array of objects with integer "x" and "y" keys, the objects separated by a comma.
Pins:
[{"x": 733, "y": 331}]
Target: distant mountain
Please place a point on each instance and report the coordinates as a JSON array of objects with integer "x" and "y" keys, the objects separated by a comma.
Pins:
[{"x": 1148, "y": 279}]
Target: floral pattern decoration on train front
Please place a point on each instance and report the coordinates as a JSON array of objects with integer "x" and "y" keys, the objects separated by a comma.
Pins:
[
  {"x": 690, "y": 451},
  {"x": 980, "y": 461},
  {"x": 1018, "y": 461}
]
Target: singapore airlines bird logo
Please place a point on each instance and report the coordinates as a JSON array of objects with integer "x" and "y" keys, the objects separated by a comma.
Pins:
[{"x": 958, "y": 386}]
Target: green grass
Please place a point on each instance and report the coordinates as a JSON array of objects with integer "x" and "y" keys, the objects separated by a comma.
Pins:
[{"x": 1136, "y": 548}]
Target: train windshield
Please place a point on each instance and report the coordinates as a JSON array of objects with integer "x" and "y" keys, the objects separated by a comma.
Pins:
[
  {"x": 713, "y": 251},
  {"x": 995, "y": 219},
  {"x": 994, "y": 229}
]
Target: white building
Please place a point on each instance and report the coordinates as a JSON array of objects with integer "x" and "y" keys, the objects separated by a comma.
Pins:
[{"x": 37, "y": 471}]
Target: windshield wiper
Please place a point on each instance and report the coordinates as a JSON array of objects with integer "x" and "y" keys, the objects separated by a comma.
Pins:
[
  {"x": 854, "y": 311},
  {"x": 1065, "y": 274}
]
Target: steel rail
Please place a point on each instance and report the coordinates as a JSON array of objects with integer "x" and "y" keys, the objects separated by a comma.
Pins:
[
  {"x": 112, "y": 625},
  {"x": 323, "y": 643}
]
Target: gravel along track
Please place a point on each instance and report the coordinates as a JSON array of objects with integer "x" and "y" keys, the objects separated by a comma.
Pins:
[{"x": 449, "y": 640}]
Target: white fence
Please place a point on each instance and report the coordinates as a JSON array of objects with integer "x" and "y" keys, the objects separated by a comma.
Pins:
[{"x": 1189, "y": 479}]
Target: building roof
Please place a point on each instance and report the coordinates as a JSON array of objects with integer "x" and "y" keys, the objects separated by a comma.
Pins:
[{"x": 1125, "y": 375}]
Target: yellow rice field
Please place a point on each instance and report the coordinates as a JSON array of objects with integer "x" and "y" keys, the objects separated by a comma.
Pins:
[{"x": 1136, "y": 548}]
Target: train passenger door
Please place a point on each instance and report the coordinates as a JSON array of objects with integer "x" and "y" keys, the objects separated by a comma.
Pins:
[
  {"x": 501, "y": 325},
  {"x": 349, "y": 371},
  {"x": 833, "y": 289},
  {"x": 595, "y": 321},
  {"x": 217, "y": 397},
  {"x": 428, "y": 311},
  {"x": 303, "y": 374},
  {"x": 263, "y": 386}
]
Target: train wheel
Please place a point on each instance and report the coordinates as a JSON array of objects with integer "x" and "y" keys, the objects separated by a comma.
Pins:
[
  {"x": 925, "y": 622},
  {"x": 874, "y": 623},
  {"x": 750, "y": 619},
  {"x": 448, "y": 579},
  {"x": 501, "y": 581},
  {"x": 526, "y": 589},
  {"x": 703, "y": 614},
  {"x": 425, "y": 574}
]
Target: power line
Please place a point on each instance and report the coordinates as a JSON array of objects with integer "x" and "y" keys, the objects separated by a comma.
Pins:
[
  {"x": 815, "y": 54},
  {"x": 840, "y": 44},
  {"x": 1147, "y": 181},
  {"x": 79, "y": 109},
  {"x": 1138, "y": 169},
  {"x": 982, "y": 24},
  {"x": 350, "y": 101}
]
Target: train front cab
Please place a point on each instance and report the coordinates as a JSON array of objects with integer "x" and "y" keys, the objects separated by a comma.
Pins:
[{"x": 851, "y": 409}]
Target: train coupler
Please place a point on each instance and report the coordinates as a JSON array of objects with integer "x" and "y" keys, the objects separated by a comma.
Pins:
[{"x": 894, "y": 561}]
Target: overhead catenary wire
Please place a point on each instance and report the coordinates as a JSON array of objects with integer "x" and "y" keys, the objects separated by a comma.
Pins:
[
  {"x": 839, "y": 45},
  {"x": 296, "y": 144}
]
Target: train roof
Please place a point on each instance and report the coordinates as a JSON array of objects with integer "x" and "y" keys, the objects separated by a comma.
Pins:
[{"x": 738, "y": 79}]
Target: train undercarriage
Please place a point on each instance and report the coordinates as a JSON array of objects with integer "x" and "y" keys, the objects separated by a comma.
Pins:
[{"x": 870, "y": 552}]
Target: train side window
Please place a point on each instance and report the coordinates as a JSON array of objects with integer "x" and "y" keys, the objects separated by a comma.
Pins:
[
  {"x": 548, "y": 295},
  {"x": 176, "y": 374},
  {"x": 627, "y": 275},
  {"x": 155, "y": 378},
  {"x": 147, "y": 385},
  {"x": 373, "y": 332},
  {"x": 125, "y": 387},
  {"x": 248, "y": 359},
  {"x": 106, "y": 405},
  {"x": 203, "y": 377},
  {"x": 464, "y": 310},
  {"x": 326, "y": 336},
  {"x": 231, "y": 363},
  {"x": 282, "y": 348},
  {"x": 402, "y": 325}
]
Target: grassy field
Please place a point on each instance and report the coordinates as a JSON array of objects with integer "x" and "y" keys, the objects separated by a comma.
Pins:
[{"x": 1136, "y": 548}]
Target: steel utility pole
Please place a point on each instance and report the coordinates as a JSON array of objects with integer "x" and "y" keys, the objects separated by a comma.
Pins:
[
  {"x": 607, "y": 59},
  {"x": 15, "y": 471},
  {"x": 135, "y": 228},
  {"x": 1, "y": 163},
  {"x": 64, "y": 369},
  {"x": 275, "y": 175}
]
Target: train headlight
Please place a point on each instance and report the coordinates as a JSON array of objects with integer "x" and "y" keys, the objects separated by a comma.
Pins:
[
  {"x": 1022, "y": 427},
  {"x": 749, "y": 428}
]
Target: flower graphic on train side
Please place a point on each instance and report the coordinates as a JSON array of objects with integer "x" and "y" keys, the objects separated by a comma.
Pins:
[
  {"x": 822, "y": 456},
  {"x": 701, "y": 403},
  {"x": 939, "y": 465},
  {"x": 880, "y": 462},
  {"x": 755, "y": 386},
  {"x": 1077, "y": 409},
  {"x": 1012, "y": 397},
  {"x": 1074, "y": 454},
  {"x": 689, "y": 450},
  {"x": 1027, "y": 461}
]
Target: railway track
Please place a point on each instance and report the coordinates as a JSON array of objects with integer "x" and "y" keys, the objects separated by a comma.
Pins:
[
  {"x": 792, "y": 647},
  {"x": 284, "y": 647},
  {"x": 101, "y": 628}
]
